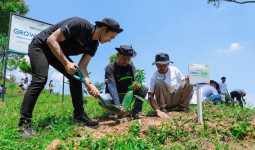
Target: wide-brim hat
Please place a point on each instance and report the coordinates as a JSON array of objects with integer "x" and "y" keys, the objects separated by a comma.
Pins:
[
  {"x": 162, "y": 58},
  {"x": 126, "y": 50},
  {"x": 111, "y": 24}
]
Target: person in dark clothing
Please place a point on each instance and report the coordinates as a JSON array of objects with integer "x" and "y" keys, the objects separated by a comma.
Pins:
[
  {"x": 53, "y": 46},
  {"x": 239, "y": 95},
  {"x": 122, "y": 68}
]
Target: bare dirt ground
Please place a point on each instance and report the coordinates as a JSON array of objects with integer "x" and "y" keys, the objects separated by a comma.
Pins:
[{"x": 121, "y": 125}]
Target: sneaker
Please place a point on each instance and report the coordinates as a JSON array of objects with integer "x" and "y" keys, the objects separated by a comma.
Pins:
[
  {"x": 163, "y": 110},
  {"x": 26, "y": 130},
  {"x": 113, "y": 116},
  {"x": 138, "y": 115},
  {"x": 84, "y": 119}
]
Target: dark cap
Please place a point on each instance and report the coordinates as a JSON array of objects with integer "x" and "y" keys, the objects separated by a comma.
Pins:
[
  {"x": 162, "y": 58},
  {"x": 223, "y": 77},
  {"x": 126, "y": 50},
  {"x": 111, "y": 24}
]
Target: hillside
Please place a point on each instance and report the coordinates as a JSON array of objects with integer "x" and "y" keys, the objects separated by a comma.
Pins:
[{"x": 223, "y": 127}]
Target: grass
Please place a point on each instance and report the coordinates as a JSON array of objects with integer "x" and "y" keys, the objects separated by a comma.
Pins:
[{"x": 223, "y": 127}]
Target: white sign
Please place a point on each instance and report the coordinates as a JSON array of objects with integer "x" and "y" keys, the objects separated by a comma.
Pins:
[
  {"x": 22, "y": 31},
  {"x": 198, "y": 74}
]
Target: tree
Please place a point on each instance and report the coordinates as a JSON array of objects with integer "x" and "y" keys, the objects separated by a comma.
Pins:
[
  {"x": 25, "y": 67},
  {"x": 217, "y": 2},
  {"x": 99, "y": 86},
  {"x": 114, "y": 58},
  {"x": 8, "y": 6}
]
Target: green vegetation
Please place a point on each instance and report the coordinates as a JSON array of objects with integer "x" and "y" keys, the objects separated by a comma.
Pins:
[
  {"x": 223, "y": 127},
  {"x": 130, "y": 97}
]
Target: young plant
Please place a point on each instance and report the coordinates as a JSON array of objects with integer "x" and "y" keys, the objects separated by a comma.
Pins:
[{"x": 130, "y": 97}]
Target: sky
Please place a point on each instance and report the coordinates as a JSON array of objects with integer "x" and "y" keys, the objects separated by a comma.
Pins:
[{"x": 189, "y": 31}]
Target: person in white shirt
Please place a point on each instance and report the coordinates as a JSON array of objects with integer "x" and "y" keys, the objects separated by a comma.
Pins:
[
  {"x": 208, "y": 92},
  {"x": 169, "y": 86},
  {"x": 238, "y": 94},
  {"x": 223, "y": 86},
  {"x": 228, "y": 100}
]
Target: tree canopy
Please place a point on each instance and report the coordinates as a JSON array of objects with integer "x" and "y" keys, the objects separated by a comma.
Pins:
[
  {"x": 217, "y": 2},
  {"x": 8, "y": 6},
  {"x": 25, "y": 67}
]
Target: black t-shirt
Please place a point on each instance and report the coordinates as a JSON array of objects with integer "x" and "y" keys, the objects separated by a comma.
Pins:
[
  {"x": 78, "y": 33},
  {"x": 113, "y": 73}
]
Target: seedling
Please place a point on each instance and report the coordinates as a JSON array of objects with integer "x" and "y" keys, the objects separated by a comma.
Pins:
[{"x": 130, "y": 97}]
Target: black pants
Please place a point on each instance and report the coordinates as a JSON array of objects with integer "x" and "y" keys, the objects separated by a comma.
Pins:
[
  {"x": 237, "y": 95},
  {"x": 40, "y": 59}
]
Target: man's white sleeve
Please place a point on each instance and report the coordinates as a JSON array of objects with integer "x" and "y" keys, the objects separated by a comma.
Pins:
[{"x": 179, "y": 76}]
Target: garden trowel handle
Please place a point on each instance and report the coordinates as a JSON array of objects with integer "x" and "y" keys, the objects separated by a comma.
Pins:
[{"x": 80, "y": 77}]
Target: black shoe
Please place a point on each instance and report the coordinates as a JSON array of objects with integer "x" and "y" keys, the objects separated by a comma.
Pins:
[
  {"x": 84, "y": 119},
  {"x": 26, "y": 130}
]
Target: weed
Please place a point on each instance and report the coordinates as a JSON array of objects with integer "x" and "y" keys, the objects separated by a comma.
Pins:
[
  {"x": 241, "y": 129},
  {"x": 135, "y": 127}
]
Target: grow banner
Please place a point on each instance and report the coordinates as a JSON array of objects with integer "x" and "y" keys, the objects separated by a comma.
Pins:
[{"x": 21, "y": 32}]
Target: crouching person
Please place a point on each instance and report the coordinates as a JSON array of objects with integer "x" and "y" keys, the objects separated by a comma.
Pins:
[
  {"x": 164, "y": 85},
  {"x": 117, "y": 89},
  {"x": 239, "y": 95},
  {"x": 210, "y": 93}
]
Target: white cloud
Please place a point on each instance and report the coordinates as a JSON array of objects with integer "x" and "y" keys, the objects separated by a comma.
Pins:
[
  {"x": 57, "y": 76},
  {"x": 233, "y": 47}
]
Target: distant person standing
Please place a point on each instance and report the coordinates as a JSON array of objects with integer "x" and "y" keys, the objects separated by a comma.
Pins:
[
  {"x": 51, "y": 85},
  {"x": 223, "y": 86},
  {"x": 1, "y": 91},
  {"x": 239, "y": 95},
  {"x": 22, "y": 82},
  {"x": 24, "y": 86},
  {"x": 26, "y": 80}
]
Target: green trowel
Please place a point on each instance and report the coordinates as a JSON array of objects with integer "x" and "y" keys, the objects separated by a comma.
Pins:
[{"x": 104, "y": 104}]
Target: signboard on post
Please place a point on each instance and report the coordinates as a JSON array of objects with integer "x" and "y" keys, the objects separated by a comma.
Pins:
[
  {"x": 199, "y": 75},
  {"x": 21, "y": 32}
]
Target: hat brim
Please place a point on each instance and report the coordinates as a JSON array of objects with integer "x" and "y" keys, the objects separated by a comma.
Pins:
[
  {"x": 162, "y": 62},
  {"x": 118, "y": 30},
  {"x": 120, "y": 51}
]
